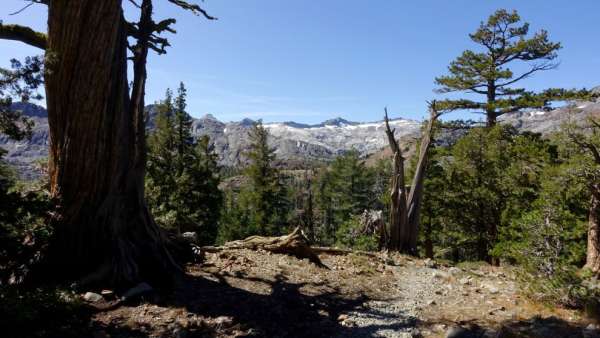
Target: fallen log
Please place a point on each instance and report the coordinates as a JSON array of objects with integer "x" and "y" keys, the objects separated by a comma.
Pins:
[{"x": 294, "y": 244}]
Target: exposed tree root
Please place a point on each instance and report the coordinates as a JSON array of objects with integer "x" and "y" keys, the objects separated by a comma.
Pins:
[{"x": 294, "y": 244}]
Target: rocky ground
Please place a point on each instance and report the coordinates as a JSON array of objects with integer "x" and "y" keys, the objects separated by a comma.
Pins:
[{"x": 242, "y": 293}]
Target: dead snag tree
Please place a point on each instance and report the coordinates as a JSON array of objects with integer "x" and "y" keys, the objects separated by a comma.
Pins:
[
  {"x": 104, "y": 233},
  {"x": 406, "y": 203}
]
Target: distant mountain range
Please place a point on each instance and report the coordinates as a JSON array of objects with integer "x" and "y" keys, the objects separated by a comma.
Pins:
[{"x": 294, "y": 143}]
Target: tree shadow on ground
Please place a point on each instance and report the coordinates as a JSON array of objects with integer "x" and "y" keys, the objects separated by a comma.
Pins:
[
  {"x": 286, "y": 311},
  {"x": 535, "y": 327}
]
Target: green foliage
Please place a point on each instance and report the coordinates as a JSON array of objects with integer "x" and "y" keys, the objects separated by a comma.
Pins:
[
  {"x": 20, "y": 81},
  {"x": 504, "y": 41},
  {"x": 263, "y": 205},
  {"x": 182, "y": 182},
  {"x": 343, "y": 189},
  {"x": 349, "y": 235},
  {"x": 41, "y": 313},
  {"x": 478, "y": 186},
  {"x": 23, "y": 232},
  {"x": 266, "y": 194}
]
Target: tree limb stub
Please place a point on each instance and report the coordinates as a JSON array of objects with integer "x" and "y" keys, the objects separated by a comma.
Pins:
[{"x": 23, "y": 34}]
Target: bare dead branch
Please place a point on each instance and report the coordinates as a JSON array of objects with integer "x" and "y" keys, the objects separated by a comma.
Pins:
[
  {"x": 23, "y": 9},
  {"x": 194, "y": 8}
]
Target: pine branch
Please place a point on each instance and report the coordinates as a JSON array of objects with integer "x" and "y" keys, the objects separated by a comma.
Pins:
[{"x": 23, "y": 34}]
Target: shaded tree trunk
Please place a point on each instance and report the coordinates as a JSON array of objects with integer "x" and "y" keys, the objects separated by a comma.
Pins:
[
  {"x": 104, "y": 231},
  {"x": 593, "y": 241}
]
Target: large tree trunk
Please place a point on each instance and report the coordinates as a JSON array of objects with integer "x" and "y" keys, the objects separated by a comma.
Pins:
[
  {"x": 104, "y": 231},
  {"x": 593, "y": 245}
]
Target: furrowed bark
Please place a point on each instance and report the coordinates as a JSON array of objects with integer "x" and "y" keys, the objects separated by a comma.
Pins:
[{"x": 104, "y": 231}]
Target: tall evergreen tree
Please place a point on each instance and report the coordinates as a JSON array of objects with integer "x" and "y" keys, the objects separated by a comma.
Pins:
[
  {"x": 183, "y": 129},
  {"x": 344, "y": 190},
  {"x": 183, "y": 181},
  {"x": 266, "y": 197},
  {"x": 162, "y": 166},
  {"x": 504, "y": 42}
]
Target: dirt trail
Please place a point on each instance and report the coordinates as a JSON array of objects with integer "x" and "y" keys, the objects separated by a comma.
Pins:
[{"x": 242, "y": 293}]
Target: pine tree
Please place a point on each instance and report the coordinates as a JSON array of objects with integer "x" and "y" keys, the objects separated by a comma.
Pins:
[
  {"x": 183, "y": 175},
  {"x": 183, "y": 129},
  {"x": 266, "y": 197},
  {"x": 504, "y": 42},
  {"x": 160, "y": 179},
  {"x": 344, "y": 189}
]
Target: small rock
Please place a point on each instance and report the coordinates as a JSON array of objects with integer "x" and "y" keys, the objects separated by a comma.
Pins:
[
  {"x": 431, "y": 302},
  {"x": 430, "y": 263},
  {"x": 465, "y": 281},
  {"x": 342, "y": 317},
  {"x": 348, "y": 322},
  {"x": 223, "y": 320},
  {"x": 493, "y": 290},
  {"x": 439, "y": 327},
  {"x": 592, "y": 327},
  {"x": 92, "y": 297}
]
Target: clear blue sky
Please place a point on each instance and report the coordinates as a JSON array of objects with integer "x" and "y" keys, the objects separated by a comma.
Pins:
[{"x": 308, "y": 61}]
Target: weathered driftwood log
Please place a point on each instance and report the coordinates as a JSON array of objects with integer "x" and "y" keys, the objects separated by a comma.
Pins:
[{"x": 294, "y": 244}]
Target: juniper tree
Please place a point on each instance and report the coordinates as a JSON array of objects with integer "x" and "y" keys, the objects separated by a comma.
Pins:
[
  {"x": 504, "y": 41},
  {"x": 104, "y": 232}
]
